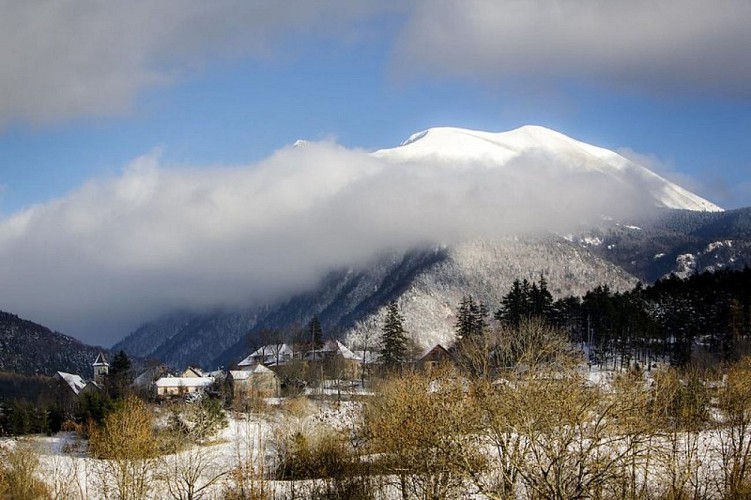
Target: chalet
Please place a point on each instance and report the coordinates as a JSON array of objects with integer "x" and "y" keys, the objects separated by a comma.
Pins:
[
  {"x": 259, "y": 381},
  {"x": 434, "y": 357},
  {"x": 335, "y": 360}
]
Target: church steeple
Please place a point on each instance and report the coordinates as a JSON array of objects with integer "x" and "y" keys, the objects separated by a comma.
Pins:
[{"x": 101, "y": 368}]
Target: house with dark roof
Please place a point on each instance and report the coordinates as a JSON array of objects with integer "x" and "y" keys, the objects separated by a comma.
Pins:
[{"x": 434, "y": 357}]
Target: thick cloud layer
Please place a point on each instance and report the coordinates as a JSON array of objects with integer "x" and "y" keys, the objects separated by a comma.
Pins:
[
  {"x": 658, "y": 46},
  {"x": 71, "y": 58},
  {"x": 68, "y": 58},
  {"x": 119, "y": 251}
]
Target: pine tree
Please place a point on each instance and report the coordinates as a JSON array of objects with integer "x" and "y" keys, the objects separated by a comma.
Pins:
[
  {"x": 315, "y": 333},
  {"x": 514, "y": 304},
  {"x": 541, "y": 299},
  {"x": 394, "y": 339},
  {"x": 526, "y": 300},
  {"x": 470, "y": 318},
  {"x": 119, "y": 376}
]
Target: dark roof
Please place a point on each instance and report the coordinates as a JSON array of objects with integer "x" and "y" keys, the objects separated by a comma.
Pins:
[{"x": 101, "y": 360}]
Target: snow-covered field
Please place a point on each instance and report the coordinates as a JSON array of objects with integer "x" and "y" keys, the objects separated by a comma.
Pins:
[
  {"x": 244, "y": 453},
  {"x": 248, "y": 439}
]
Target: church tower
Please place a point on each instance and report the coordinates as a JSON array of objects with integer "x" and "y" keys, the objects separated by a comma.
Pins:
[{"x": 101, "y": 368}]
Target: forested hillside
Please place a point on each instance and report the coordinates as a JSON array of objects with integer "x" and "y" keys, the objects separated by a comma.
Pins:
[{"x": 31, "y": 349}]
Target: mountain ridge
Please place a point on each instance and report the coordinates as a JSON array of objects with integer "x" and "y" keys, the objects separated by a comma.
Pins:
[{"x": 29, "y": 348}]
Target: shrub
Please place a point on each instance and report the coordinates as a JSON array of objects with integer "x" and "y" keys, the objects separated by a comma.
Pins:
[{"x": 19, "y": 467}]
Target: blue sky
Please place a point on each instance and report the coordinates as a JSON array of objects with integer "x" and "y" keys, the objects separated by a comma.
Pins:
[{"x": 112, "y": 113}]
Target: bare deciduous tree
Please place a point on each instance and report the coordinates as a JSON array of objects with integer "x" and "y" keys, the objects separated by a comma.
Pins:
[{"x": 126, "y": 443}]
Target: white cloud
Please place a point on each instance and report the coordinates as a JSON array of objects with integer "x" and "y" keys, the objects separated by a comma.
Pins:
[
  {"x": 665, "y": 168},
  {"x": 664, "y": 46},
  {"x": 69, "y": 58},
  {"x": 119, "y": 251}
]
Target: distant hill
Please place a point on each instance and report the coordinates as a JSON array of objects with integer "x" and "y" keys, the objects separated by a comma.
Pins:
[
  {"x": 675, "y": 241},
  {"x": 28, "y": 348}
]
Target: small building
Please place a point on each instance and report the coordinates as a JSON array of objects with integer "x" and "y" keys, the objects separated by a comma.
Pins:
[
  {"x": 70, "y": 381},
  {"x": 177, "y": 386},
  {"x": 66, "y": 388},
  {"x": 434, "y": 357},
  {"x": 259, "y": 381},
  {"x": 335, "y": 361},
  {"x": 192, "y": 372}
]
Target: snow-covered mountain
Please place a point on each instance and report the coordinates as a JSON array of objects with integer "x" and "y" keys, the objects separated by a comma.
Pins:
[
  {"x": 429, "y": 281},
  {"x": 547, "y": 151}
]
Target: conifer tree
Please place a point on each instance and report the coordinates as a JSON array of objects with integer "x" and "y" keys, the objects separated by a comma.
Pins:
[
  {"x": 526, "y": 300},
  {"x": 513, "y": 304},
  {"x": 394, "y": 339},
  {"x": 315, "y": 333},
  {"x": 470, "y": 318},
  {"x": 119, "y": 376}
]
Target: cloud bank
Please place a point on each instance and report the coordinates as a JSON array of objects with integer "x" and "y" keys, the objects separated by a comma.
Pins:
[
  {"x": 71, "y": 58},
  {"x": 119, "y": 251},
  {"x": 663, "y": 47}
]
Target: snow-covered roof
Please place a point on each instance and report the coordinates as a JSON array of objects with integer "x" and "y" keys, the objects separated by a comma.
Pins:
[
  {"x": 346, "y": 353},
  {"x": 75, "y": 382},
  {"x": 246, "y": 374},
  {"x": 192, "y": 371},
  {"x": 184, "y": 382},
  {"x": 333, "y": 346},
  {"x": 268, "y": 353}
]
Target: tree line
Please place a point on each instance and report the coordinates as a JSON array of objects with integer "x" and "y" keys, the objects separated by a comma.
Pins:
[{"x": 675, "y": 318}]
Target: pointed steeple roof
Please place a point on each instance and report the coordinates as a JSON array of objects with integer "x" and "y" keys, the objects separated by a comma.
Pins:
[{"x": 101, "y": 360}]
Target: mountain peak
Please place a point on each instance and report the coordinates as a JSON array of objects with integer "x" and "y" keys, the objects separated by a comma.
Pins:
[{"x": 534, "y": 146}]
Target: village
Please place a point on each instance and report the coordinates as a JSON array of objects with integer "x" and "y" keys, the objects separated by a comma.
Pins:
[{"x": 271, "y": 371}]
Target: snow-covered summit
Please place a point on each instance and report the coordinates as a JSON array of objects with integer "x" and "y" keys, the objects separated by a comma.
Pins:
[{"x": 534, "y": 145}]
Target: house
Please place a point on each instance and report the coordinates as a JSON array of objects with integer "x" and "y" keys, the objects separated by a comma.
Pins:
[
  {"x": 192, "y": 372},
  {"x": 176, "y": 386},
  {"x": 66, "y": 388},
  {"x": 69, "y": 382},
  {"x": 259, "y": 381},
  {"x": 434, "y": 357},
  {"x": 335, "y": 360}
]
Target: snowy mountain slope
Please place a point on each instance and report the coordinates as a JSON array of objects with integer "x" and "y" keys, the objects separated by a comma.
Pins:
[
  {"x": 550, "y": 152},
  {"x": 486, "y": 269},
  {"x": 428, "y": 284},
  {"x": 675, "y": 241},
  {"x": 222, "y": 337}
]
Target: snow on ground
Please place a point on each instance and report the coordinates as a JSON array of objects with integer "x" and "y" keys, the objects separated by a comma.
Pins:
[
  {"x": 248, "y": 438},
  {"x": 255, "y": 438}
]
